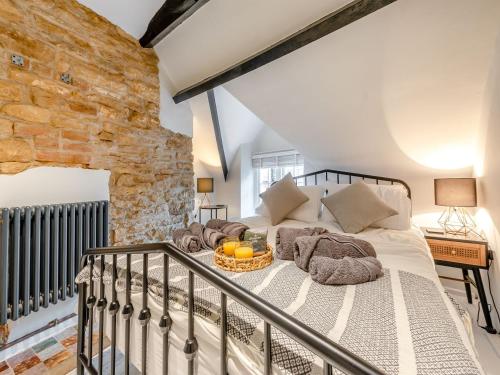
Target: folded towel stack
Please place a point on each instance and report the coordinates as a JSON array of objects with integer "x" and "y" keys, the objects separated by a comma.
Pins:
[
  {"x": 330, "y": 258},
  {"x": 198, "y": 236}
]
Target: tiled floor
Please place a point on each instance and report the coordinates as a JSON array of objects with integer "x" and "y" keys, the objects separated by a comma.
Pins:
[
  {"x": 55, "y": 356},
  {"x": 487, "y": 345}
]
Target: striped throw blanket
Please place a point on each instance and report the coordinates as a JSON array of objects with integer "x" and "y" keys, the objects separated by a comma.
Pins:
[{"x": 399, "y": 322}]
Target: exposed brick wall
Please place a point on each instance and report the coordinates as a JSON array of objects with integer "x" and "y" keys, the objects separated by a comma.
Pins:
[{"x": 107, "y": 118}]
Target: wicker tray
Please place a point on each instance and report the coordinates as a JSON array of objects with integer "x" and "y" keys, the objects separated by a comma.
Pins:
[{"x": 242, "y": 265}]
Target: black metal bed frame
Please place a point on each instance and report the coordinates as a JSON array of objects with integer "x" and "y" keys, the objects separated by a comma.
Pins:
[
  {"x": 327, "y": 172},
  {"x": 330, "y": 352}
]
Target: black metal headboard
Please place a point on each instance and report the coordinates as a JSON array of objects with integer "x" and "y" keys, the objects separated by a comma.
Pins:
[{"x": 326, "y": 173}]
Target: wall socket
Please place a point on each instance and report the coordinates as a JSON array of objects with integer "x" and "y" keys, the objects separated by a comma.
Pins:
[
  {"x": 66, "y": 78},
  {"x": 17, "y": 60}
]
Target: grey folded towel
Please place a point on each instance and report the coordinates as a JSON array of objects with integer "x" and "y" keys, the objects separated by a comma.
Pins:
[
  {"x": 344, "y": 271},
  {"x": 178, "y": 233},
  {"x": 331, "y": 245},
  {"x": 209, "y": 238},
  {"x": 186, "y": 241},
  {"x": 198, "y": 236},
  {"x": 229, "y": 228},
  {"x": 212, "y": 237},
  {"x": 285, "y": 239},
  {"x": 196, "y": 229}
]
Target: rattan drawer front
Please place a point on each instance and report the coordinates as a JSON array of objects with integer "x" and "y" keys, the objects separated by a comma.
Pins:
[{"x": 458, "y": 252}]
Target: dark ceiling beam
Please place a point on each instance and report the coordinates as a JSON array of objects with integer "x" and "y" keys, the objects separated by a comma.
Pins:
[
  {"x": 326, "y": 25},
  {"x": 218, "y": 136},
  {"x": 171, "y": 14}
]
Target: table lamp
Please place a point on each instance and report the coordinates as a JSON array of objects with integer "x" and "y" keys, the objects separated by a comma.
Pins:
[
  {"x": 205, "y": 185},
  {"x": 456, "y": 194}
]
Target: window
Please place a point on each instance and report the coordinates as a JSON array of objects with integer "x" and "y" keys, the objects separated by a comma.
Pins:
[{"x": 272, "y": 167}]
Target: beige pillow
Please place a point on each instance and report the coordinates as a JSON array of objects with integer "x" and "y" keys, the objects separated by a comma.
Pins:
[
  {"x": 357, "y": 207},
  {"x": 282, "y": 198}
]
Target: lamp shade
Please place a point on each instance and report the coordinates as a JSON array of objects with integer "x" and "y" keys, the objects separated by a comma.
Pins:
[
  {"x": 205, "y": 185},
  {"x": 455, "y": 192}
]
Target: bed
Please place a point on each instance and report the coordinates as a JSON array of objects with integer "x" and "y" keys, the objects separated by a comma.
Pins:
[{"x": 401, "y": 323}]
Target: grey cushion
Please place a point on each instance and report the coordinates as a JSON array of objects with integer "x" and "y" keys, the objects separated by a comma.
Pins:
[
  {"x": 357, "y": 207},
  {"x": 282, "y": 198}
]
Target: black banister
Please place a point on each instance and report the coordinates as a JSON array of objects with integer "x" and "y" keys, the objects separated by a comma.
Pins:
[{"x": 320, "y": 345}]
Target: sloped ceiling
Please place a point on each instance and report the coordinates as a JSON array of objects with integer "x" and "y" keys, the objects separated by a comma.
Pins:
[
  {"x": 398, "y": 93},
  {"x": 237, "y": 124},
  {"x": 224, "y": 32},
  {"x": 400, "y": 86},
  {"x": 131, "y": 15}
]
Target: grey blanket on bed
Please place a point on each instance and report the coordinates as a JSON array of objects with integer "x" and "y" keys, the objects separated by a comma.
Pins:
[
  {"x": 285, "y": 240},
  {"x": 345, "y": 271},
  {"x": 364, "y": 318},
  {"x": 331, "y": 245}
]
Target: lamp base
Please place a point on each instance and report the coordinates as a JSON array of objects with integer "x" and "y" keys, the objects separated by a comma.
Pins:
[
  {"x": 207, "y": 199},
  {"x": 457, "y": 221}
]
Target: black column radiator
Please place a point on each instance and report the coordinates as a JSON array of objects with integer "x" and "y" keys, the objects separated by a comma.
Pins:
[{"x": 40, "y": 250}]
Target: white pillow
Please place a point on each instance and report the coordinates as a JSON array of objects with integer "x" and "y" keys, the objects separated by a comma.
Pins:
[
  {"x": 308, "y": 211},
  {"x": 262, "y": 210},
  {"x": 394, "y": 196}
]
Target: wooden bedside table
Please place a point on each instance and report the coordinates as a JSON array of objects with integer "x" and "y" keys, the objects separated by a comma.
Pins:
[{"x": 468, "y": 253}]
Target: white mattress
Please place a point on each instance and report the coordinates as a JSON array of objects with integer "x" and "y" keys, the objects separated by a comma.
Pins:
[{"x": 396, "y": 250}]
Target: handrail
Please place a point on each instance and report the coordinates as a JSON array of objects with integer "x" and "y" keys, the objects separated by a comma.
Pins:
[
  {"x": 329, "y": 351},
  {"x": 354, "y": 174}
]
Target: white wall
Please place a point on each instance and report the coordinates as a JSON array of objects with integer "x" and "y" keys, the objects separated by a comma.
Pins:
[
  {"x": 247, "y": 181},
  {"x": 51, "y": 185},
  {"x": 488, "y": 170},
  {"x": 176, "y": 117}
]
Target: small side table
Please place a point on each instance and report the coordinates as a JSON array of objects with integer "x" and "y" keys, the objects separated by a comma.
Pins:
[
  {"x": 468, "y": 253},
  {"x": 213, "y": 208}
]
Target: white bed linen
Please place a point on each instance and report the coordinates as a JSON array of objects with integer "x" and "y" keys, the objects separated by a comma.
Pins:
[{"x": 398, "y": 250}]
